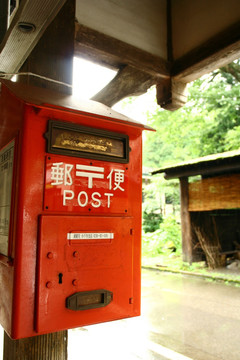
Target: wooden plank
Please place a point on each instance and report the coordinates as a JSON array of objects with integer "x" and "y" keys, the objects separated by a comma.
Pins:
[
  {"x": 128, "y": 82},
  {"x": 138, "y": 23},
  {"x": 3, "y": 18},
  {"x": 169, "y": 31},
  {"x": 92, "y": 44},
  {"x": 53, "y": 55},
  {"x": 185, "y": 222},
  {"x": 215, "y": 53},
  {"x": 17, "y": 45},
  {"x": 48, "y": 347},
  {"x": 221, "y": 192}
]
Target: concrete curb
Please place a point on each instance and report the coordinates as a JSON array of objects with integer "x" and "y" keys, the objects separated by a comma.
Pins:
[{"x": 183, "y": 272}]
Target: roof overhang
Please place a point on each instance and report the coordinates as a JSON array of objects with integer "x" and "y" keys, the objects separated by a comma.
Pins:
[
  {"x": 167, "y": 42},
  {"x": 221, "y": 163}
]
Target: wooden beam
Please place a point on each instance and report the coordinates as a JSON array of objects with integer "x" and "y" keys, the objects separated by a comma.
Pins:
[
  {"x": 96, "y": 56},
  {"x": 138, "y": 70},
  {"x": 17, "y": 44},
  {"x": 128, "y": 82},
  {"x": 47, "y": 347},
  {"x": 3, "y": 18},
  {"x": 213, "y": 54},
  {"x": 169, "y": 31},
  {"x": 171, "y": 94},
  {"x": 53, "y": 58},
  {"x": 53, "y": 55},
  {"x": 90, "y": 43},
  {"x": 185, "y": 222},
  {"x": 217, "y": 52}
]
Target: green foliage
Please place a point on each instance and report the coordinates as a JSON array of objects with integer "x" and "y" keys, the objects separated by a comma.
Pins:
[
  {"x": 151, "y": 207},
  {"x": 154, "y": 201},
  {"x": 218, "y": 97},
  {"x": 164, "y": 240},
  {"x": 151, "y": 220},
  {"x": 170, "y": 143},
  {"x": 232, "y": 139},
  {"x": 171, "y": 234},
  {"x": 209, "y": 123}
]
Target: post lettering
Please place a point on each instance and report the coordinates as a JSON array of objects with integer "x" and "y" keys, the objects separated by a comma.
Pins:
[
  {"x": 67, "y": 195},
  {"x": 97, "y": 202},
  {"x": 82, "y": 204}
]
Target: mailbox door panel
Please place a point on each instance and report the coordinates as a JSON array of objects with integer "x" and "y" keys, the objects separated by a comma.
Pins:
[{"x": 87, "y": 262}]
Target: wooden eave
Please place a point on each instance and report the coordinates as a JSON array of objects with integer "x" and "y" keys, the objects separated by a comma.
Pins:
[
  {"x": 216, "y": 52},
  {"x": 144, "y": 69},
  {"x": 169, "y": 72},
  {"x": 167, "y": 43},
  {"x": 18, "y": 43},
  {"x": 221, "y": 163}
]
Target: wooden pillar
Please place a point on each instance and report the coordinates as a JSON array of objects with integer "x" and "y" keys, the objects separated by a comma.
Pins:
[
  {"x": 52, "y": 58},
  {"x": 3, "y": 18},
  {"x": 185, "y": 221},
  {"x": 43, "y": 347}
]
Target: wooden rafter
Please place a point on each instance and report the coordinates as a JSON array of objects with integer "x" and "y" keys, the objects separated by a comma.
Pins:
[
  {"x": 138, "y": 70},
  {"x": 114, "y": 52},
  {"x": 213, "y": 54},
  {"x": 52, "y": 58},
  {"x": 17, "y": 45},
  {"x": 138, "y": 66},
  {"x": 129, "y": 81}
]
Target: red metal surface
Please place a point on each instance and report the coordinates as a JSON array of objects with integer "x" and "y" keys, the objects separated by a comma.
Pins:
[
  {"x": 40, "y": 245},
  {"x": 84, "y": 265},
  {"x": 77, "y": 185}
]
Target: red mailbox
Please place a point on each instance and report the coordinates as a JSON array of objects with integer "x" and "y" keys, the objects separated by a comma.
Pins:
[{"x": 70, "y": 212}]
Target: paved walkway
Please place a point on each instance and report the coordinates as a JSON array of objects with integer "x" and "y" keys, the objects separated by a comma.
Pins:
[{"x": 183, "y": 318}]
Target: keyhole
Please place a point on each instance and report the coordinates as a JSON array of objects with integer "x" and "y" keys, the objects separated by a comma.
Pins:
[{"x": 60, "y": 276}]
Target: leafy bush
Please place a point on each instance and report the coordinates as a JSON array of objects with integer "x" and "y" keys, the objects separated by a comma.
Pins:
[
  {"x": 164, "y": 240},
  {"x": 151, "y": 221}
]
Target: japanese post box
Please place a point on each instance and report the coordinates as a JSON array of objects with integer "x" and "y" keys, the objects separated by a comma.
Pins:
[{"x": 70, "y": 212}]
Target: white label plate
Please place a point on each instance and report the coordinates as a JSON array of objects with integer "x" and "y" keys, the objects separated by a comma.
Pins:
[{"x": 90, "y": 236}]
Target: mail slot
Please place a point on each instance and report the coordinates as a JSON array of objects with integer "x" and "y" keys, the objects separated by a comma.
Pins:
[
  {"x": 89, "y": 300},
  {"x": 70, "y": 212}
]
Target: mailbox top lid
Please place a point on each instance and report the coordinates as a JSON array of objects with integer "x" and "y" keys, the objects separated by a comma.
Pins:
[{"x": 48, "y": 98}]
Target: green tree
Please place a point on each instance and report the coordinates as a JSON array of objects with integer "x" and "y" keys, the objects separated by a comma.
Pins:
[
  {"x": 176, "y": 138},
  {"x": 209, "y": 123},
  {"x": 217, "y": 96}
]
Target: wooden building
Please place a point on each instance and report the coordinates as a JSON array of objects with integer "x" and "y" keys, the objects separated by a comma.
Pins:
[{"x": 210, "y": 206}]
